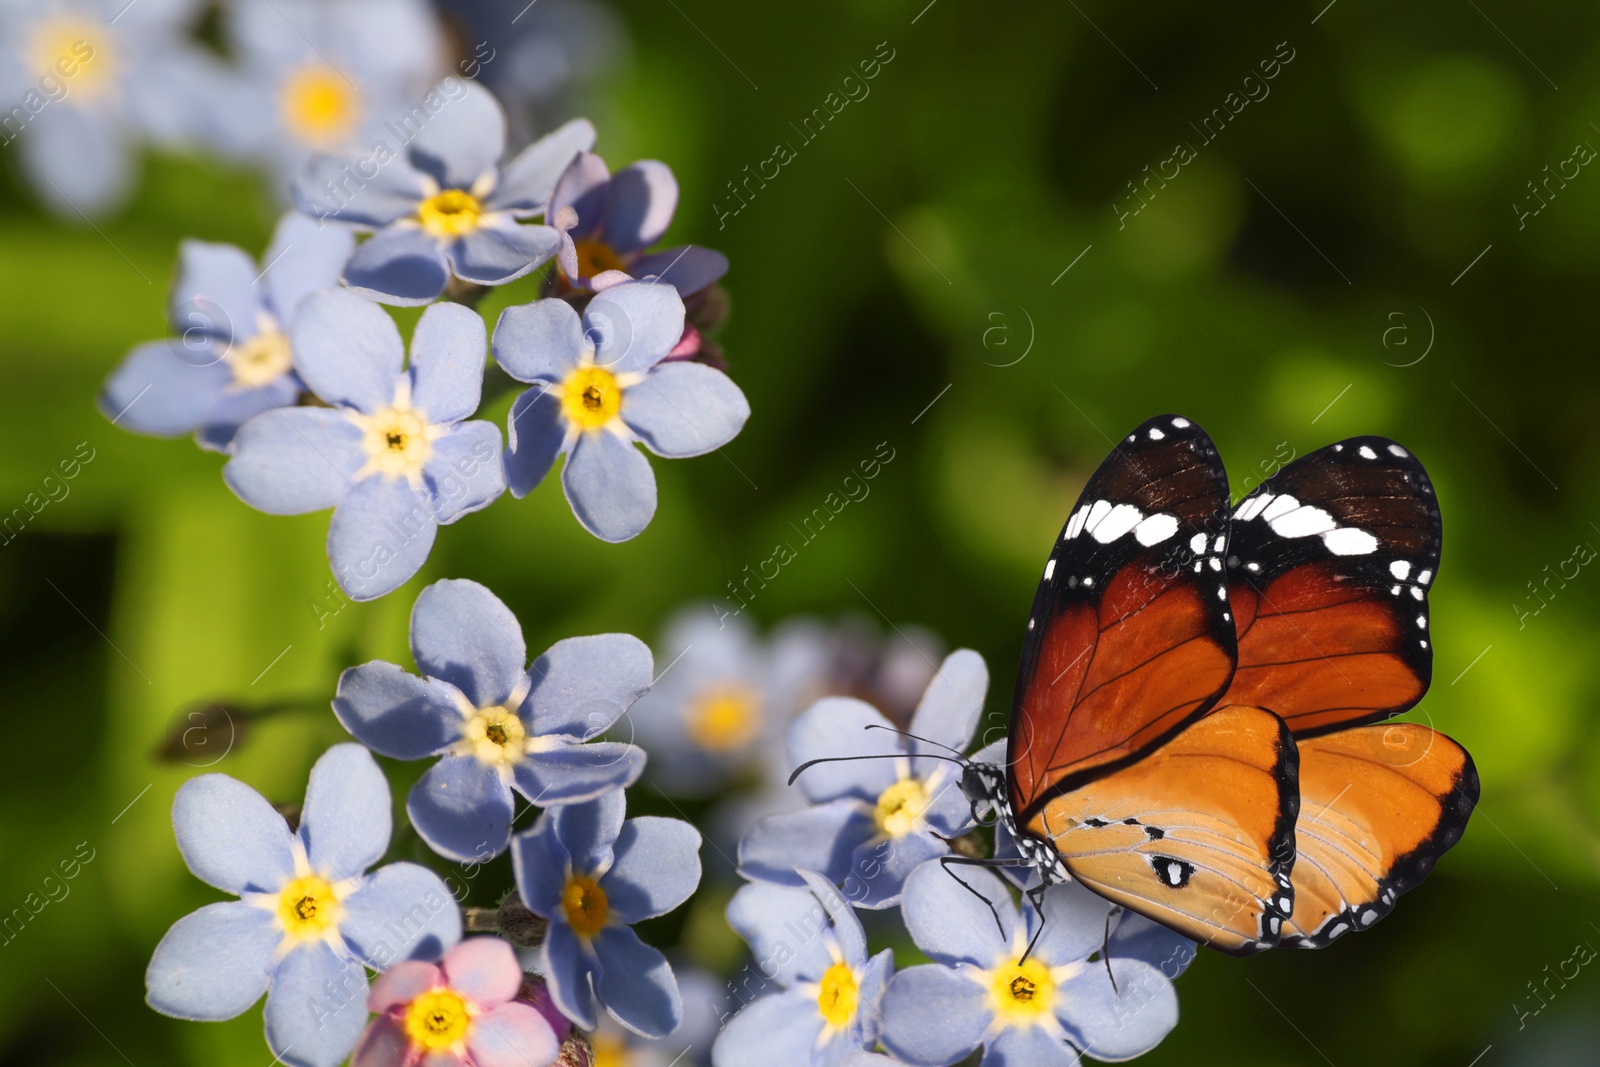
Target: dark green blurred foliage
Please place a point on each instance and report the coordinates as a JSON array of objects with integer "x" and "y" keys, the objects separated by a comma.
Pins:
[{"x": 903, "y": 280}]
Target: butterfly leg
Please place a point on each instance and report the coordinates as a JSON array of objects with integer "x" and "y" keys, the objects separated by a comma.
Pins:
[
  {"x": 972, "y": 861},
  {"x": 1035, "y": 897}
]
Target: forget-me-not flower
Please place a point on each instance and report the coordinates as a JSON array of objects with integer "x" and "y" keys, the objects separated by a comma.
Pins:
[
  {"x": 811, "y": 944},
  {"x": 873, "y": 821},
  {"x": 607, "y": 221},
  {"x": 601, "y": 386},
  {"x": 394, "y": 453},
  {"x": 462, "y": 1012},
  {"x": 1041, "y": 1011},
  {"x": 497, "y": 722},
  {"x": 444, "y": 208},
  {"x": 593, "y": 875},
  {"x": 232, "y": 359},
  {"x": 309, "y": 917}
]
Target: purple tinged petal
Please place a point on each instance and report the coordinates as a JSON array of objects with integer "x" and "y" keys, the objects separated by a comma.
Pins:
[
  {"x": 512, "y": 1035},
  {"x": 633, "y": 325},
  {"x": 403, "y": 983},
  {"x": 316, "y": 1007},
  {"x": 639, "y": 205},
  {"x": 215, "y": 292},
  {"x": 636, "y": 983},
  {"x": 781, "y": 926},
  {"x": 385, "y": 1044},
  {"x": 1121, "y": 1020},
  {"x": 462, "y": 809},
  {"x": 837, "y": 726},
  {"x": 329, "y": 189},
  {"x": 497, "y": 253},
  {"x": 484, "y": 970},
  {"x": 539, "y": 862},
  {"x": 528, "y": 180},
  {"x": 346, "y": 820},
  {"x": 950, "y": 923},
  {"x": 448, "y": 353},
  {"x": 685, "y": 409},
  {"x": 582, "y": 187},
  {"x": 401, "y": 912},
  {"x": 566, "y": 971},
  {"x": 588, "y": 831},
  {"x": 574, "y": 773},
  {"x": 933, "y": 1016},
  {"x": 688, "y": 269},
  {"x": 230, "y": 836},
  {"x": 541, "y": 341},
  {"x": 165, "y": 389},
  {"x": 950, "y": 707},
  {"x": 214, "y": 963},
  {"x": 582, "y": 685},
  {"x": 304, "y": 256},
  {"x": 465, "y": 138},
  {"x": 348, "y": 350},
  {"x": 535, "y": 434},
  {"x": 780, "y": 1028},
  {"x": 657, "y": 868},
  {"x": 397, "y": 714},
  {"x": 610, "y": 486},
  {"x": 380, "y": 536},
  {"x": 400, "y": 265},
  {"x": 464, "y": 472},
  {"x": 1029, "y": 1047},
  {"x": 465, "y": 635},
  {"x": 289, "y": 461},
  {"x": 821, "y": 838}
]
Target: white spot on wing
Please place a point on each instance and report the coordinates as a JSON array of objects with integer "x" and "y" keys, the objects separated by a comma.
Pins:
[
  {"x": 1396, "y": 450},
  {"x": 1349, "y": 541},
  {"x": 1303, "y": 521},
  {"x": 1155, "y": 529},
  {"x": 1075, "y": 524},
  {"x": 1400, "y": 569},
  {"x": 1155, "y": 434},
  {"x": 1252, "y": 507},
  {"x": 1049, "y": 569},
  {"x": 1279, "y": 507},
  {"x": 1197, "y": 543},
  {"x": 1367, "y": 452},
  {"x": 1114, "y": 523},
  {"x": 1181, "y": 423},
  {"x": 1425, "y": 577}
]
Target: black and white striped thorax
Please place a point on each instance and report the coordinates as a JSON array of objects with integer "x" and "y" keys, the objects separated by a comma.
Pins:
[{"x": 984, "y": 786}]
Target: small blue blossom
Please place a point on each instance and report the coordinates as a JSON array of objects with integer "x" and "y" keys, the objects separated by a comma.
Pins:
[
  {"x": 811, "y": 944},
  {"x": 873, "y": 821},
  {"x": 309, "y": 919},
  {"x": 1042, "y": 1011},
  {"x": 608, "y": 220},
  {"x": 445, "y": 209},
  {"x": 602, "y": 385},
  {"x": 497, "y": 722},
  {"x": 593, "y": 875},
  {"x": 394, "y": 453},
  {"x": 232, "y": 359}
]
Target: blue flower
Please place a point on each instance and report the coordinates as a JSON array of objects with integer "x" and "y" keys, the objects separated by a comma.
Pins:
[
  {"x": 874, "y": 821},
  {"x": 232, "y": 360},
  {"x": 608, "y": 220},
  {"x": 393, "y": 453},
  {"x": 593, "y": 876},
  {"x": 498, "y": 723},
  {"x": 811, "y": 944},
  {"x": 445, "y": 208},
  {"x": 309, "y": 918},
  {"x": 1040, "y": 1011},
  {"x": 602, "y": 386}
]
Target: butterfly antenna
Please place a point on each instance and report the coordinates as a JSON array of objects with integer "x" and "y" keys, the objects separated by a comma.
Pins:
[
  {"x": 960, "y": 756},
  {"x": 876, "y": 755}
]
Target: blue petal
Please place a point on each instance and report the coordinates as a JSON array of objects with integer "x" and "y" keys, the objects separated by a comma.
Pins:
[
  {"x": 541, "y": 341},
  {"x": 779, "y": 1029},
  {"x": 837, "y": 726},
  {"x": 230, "y": 836},
  {"x": 610, "y": 486},
  {"x": 402, "y": 912},
  {"x": 582, "y": 187},
  {"x": 1074, "y": 924},
  {"x": 462, "y": 809},
  {"x": 215, "y": 291},
  {"x": 347, "y": 350},
  {"x": 588, "y": 831},
  {"x": 933, "y": 1016},
  {"x": 636, "y": 983},
  {"x": 346, "y": 820},
  {"x": 449, "y": 350},
  {"x": 464, "y": 139},
  {"x": 400, "y": 264},
  {"x": 1032, "y": 1046},
  {"x": 633, "y": 325},
  {"x": 78, "y": 161},
  {"x": 304, "y": 256},
  {"x": 640, "y": 205},
  {"x": 574, "y": 773},
  {"x": 535, "y": 433},
  {"x": 397, "y": 714},
  {"x": 528, "y": 180},
  {"x": 949, "y": 922},
  {"x": 657, "y": 868},
  {"x": 782, "y": 927},
  {"x": 165, "y": 389},
  {"x": 380, "y": 536},
  {"x": 950, "y": 707},
  {"x": 685, "y": 409},
  {"x": 875, "y": 979},
  {"x": 316, "y": 1008},
  {"x": 539, "y": 862},
  {"x": 289, "y": 461},
  {"x": 1121, "y": 1021},
  {"x": 464, "y": 634},
  {"x": 233, "y": 409},
  {"x": 582, "y": 685},
  {"x": 1139, "y": 938},
  {"x": 495, "y": 254},
  {"x": 392, "y": 193},
  {"x": 464, "y": 472},
  {"x": 819, "y": 838},
  {"x": 566, "y": 973},
  {"x": 847, "y": 928},
  {"x": 878, "y": 869},
  {"x": 214, "y": 963},
  {"x": 688, "y": 269}
]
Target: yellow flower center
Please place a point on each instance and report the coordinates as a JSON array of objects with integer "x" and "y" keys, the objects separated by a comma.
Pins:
[
  {"x": 595, "y": 257},
  {"x": 308, "y": 908},
  {"x": 590, "y": 397},
  {"x": 76, "y": 52},
  {"x": 497, "y": 736},
  {"x": 439, "y": 1019},
  {"x": 263, "y": 359},
  {"x": 319, "y": 107},
  {"x": 585, "y": 905},
  {"x": 451, "y": 213},
  {"x": 397, "y": 441},
  {"x": 837, "y": 994},
  {"x": 723, "y": 718},
  {"x": 609, "y": 1050},
  {"x": 900, "y": 807},
  {"x": 1023, "y": 993}
]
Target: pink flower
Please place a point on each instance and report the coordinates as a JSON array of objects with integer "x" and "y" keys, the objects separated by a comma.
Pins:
[{"x": 460, "y": 1012}]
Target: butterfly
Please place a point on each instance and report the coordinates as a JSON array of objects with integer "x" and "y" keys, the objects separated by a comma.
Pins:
[{"x": 1329, "y": 567}]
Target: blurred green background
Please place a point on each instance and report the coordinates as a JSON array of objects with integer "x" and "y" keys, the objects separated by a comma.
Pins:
[{"x": 904, "y": 280}]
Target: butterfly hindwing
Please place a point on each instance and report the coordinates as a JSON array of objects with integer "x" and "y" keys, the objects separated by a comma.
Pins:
[{"x": 1198, "y": 835}]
